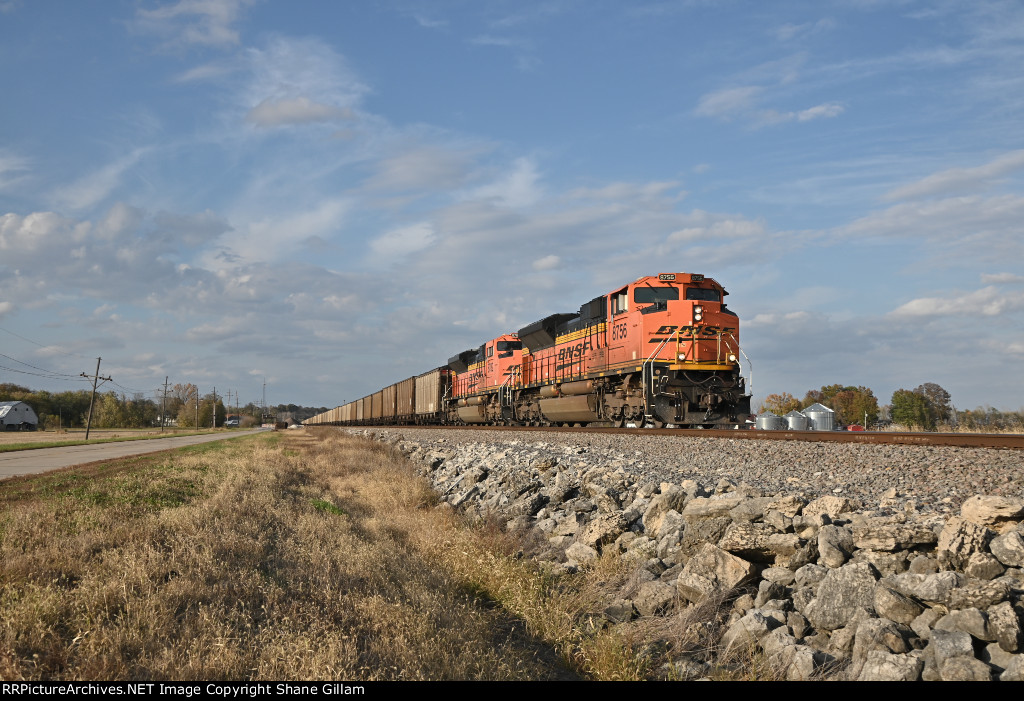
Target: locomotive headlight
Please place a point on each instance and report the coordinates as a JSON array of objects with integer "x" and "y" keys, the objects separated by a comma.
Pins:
[
  {"x": 698, "y": 313},
  {"x": 732, "y": 357}
]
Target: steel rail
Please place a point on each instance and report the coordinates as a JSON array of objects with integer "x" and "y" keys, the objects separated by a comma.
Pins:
[{"x": 959, "y": 440}]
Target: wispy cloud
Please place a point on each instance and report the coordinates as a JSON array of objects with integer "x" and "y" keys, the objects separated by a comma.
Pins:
[
  {"x": 298, "y": 81},
  {"x": 788, "y": 32},
  {"x": 728, "y": 102},
  {"x": 517, "y": 188},
  {"x": 95, "y": 187},
  {"x": 403, "y": 241},
  {"x": 745, "y": 103},
  {"x": 959, "y": 179},
  {"x": 296, "y": 110},
  {"x": 12, "y": 169},
  {"x": 1001, "y": 278},
  {"x": 988, "y": 301},
  {"x": 426, "y": 167},
  {"x": 203, "y": 22}
]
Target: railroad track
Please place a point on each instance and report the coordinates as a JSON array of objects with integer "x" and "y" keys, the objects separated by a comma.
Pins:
[{"x": 961, "y": 440}]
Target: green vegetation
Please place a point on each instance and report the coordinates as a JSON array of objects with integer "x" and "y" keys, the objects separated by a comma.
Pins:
[
  {"x": 33, "y": 445},
  {"x": 928, "y": 407},
  {"x": 184, "y": 407},
  {"x": 851, "y": 404}
]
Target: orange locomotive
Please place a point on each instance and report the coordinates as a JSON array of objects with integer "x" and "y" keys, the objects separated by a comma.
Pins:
[
  {"x": 663, "y": 350},
  {"x": 660, "y": 351}
]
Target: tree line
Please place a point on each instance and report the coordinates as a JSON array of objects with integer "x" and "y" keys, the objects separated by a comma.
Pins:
[
  {"x": 184, "y": 407},
  {"x": 926, "y": 407}
]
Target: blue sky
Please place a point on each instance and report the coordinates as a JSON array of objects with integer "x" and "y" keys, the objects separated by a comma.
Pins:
[{"x": 335, "y": 196}]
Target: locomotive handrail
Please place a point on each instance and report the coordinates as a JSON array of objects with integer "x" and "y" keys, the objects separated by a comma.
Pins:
[
  {"x": 648, "y": 388},
  {"x": 750, "y": 383}
]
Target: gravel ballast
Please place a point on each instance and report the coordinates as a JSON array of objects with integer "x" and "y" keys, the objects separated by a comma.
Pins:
[
  {"x": 837, "y": 560},
  {"x": 933, "y": 478}
]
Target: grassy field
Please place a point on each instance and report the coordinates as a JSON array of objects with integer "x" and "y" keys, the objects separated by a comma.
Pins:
[{"x": 293, "y": 556}]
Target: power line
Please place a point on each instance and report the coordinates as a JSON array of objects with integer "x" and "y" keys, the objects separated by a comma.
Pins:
[
  {"x": 53, "y": 373},
  {"x": 48, "y": 347},
  {"x": 48, "y": 376}
]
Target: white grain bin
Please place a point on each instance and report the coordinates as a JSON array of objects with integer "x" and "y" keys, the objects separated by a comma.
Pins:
[
  {"x": 797, "y": 421},
  {"x": 822, "y": 418},
  {"x": 767, "y": 421}
]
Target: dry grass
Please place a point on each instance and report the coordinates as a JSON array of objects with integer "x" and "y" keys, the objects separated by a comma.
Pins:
[
  {"x": 297, "y": 556},
  {"x": 268, "y": 559}
]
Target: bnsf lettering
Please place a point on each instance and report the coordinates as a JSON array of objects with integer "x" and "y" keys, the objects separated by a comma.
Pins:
[
  {"x": 569, "y": 353},
  {"x": 689, "y": 331},
  {"x": 618, "y": 332}
]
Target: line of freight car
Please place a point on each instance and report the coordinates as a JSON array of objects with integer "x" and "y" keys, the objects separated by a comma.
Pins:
[{"x": 416, "y": 400}]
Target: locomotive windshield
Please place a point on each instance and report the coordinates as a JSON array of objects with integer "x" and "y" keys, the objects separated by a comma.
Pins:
[
  {"x": 646, "y": 295},
  {"x": 504, "y": 346},
  {"x": 700, "y": 295}
]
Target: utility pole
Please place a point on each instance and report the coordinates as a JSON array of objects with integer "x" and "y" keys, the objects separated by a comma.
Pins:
[
  {"x": 215, "y": 406},
  {"x": 95, "y": 379},
  {"x": 163, "y": 406},
  {"x": 197, "y": 407}
]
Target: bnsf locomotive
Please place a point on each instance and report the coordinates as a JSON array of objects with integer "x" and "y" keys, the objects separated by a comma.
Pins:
[{"x": 663, "y": 351}]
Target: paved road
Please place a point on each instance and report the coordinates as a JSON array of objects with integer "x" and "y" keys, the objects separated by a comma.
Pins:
[{"x": 27, "y": 462}]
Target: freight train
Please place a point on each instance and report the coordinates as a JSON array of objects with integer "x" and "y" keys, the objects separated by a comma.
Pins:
[{"x": 661, "y": 351}]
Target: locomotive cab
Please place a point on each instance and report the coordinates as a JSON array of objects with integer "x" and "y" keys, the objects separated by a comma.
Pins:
[
  {"x": 676, "y": 330},
  {"x": 486, "y": 377}
]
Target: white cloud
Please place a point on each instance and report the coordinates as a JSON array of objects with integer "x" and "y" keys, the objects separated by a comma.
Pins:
[
  {"x": 715, "y": 231},
  {"x": 829, "y": 109},
  {"x": 298, "y": 81},
  {"x": 490, "y": 40},
  {"x": 728, "y": 103},
  {"x": 208, "y": 71},
  {"x": 423, "y": 168},
  {"x": 95, "y": 187},
  {"x": 959, "y": 179},
  {"x": 987, "y": 226},
  {"x": 272, "y": 237},
  {"x": 1001, "y": 278},
  {"x": 428, "y": 23},
  {"x": 547, "y": 263},
  {"x": 298, "y": 110},
  {"x": 807, "y": 29},
  {"x": 11, "y": 168},
  {"x": 658, "y": 190},
  {"x": 203, "y": 22},
  {"x": 516, "y": 189},
  {"x": 403, "y": 241},
  {"x": 742, "y": 103},
  {"x": 988, "y": 301},
  {"x": 5, "y": 309}
]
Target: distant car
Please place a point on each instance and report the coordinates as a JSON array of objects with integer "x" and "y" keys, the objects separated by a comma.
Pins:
[
  {"x": 854, "y": 427},
  {"x": 231, "y": 423}
]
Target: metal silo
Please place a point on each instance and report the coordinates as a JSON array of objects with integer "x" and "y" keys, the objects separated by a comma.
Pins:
[
  {"x": 822, "y": 418},
  {"x": 767, "y": 421},
  {"x": 797, "y": 421}
]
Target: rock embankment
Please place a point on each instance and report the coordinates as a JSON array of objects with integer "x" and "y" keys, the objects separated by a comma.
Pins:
[{"x": 834, "y": 561}]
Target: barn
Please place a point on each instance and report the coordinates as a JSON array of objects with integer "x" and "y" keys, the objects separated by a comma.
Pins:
[{"x": 17, "y": 416}]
